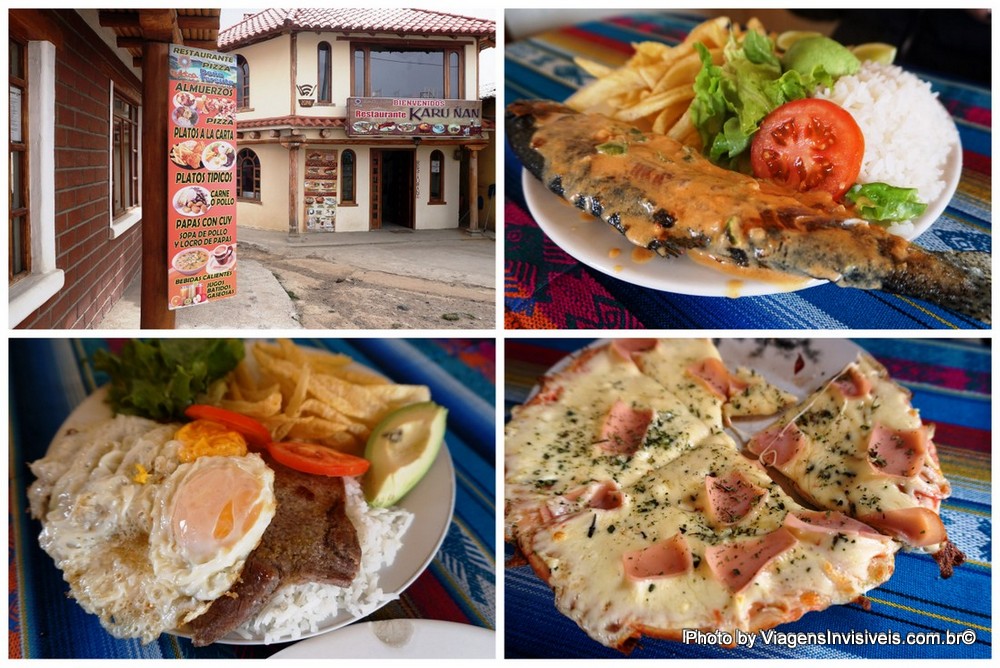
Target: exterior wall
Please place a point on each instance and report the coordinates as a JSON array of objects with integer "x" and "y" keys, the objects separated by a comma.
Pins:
[
  {"x": 269, "y": 68},
  {"x": 437, "y": 216},
  {"x": 356, "y": 218},
  {"x": 340, "y": 50},
  {"x": 270, "y": 91},
  {"x": 272, "y": 212},
  {"x": 97, "y": 268}
]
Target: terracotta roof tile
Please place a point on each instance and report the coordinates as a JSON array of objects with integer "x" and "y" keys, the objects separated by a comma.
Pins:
[{"x": 389, "y": 20}]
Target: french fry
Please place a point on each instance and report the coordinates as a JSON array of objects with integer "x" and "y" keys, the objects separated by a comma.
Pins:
[
  {"x": 299, "y": 394},
  {"x": 263, "y": 408},
  {"x": 655, "y": 87},
  {"x": 655, "y": 103},
  {"x": 310, "y": 395},
  {"x": 682, "y": 127},
  {"x": 667, "y": 118},
  {"x": 592, "y": 67}
]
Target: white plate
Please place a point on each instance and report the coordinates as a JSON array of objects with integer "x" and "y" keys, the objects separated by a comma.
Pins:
[
  {"x": 591, "y": 241},
  {"x": 398, "y": 639},
  {"x": 432, "y": 503}
]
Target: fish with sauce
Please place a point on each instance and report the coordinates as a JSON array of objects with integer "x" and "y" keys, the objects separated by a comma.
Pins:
[{"x": 668, "y": 198}]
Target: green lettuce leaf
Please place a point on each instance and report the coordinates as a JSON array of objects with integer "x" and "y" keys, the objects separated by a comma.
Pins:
[
  {"x": 882, "y": 203},
  {"x": 730, "y": 101},
  {"x": 158, "y": 379}
]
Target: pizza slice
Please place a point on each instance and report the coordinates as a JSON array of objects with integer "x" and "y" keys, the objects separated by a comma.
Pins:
[
  {"x": 594, "y": 426},
  {"x": 615, "y": 412},
  {"x": 857, "y": 446},
  {"x": 708, "y": 543},
  {"x": 694, "y": 369}
]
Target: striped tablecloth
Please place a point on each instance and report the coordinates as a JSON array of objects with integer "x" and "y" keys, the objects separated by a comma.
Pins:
[
  {"x": 49, "y": 378},
  {"x": 950, "y": 382},
  {"x": 545, "y": 288}
]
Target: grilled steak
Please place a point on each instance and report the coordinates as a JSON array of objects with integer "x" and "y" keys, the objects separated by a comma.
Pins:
[{"x": 310, "y": 539}]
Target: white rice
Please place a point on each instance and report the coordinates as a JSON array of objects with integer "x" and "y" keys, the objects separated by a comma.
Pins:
[
  {"x": 908, "y": 133},
  {"x": 298, "y": 610}
]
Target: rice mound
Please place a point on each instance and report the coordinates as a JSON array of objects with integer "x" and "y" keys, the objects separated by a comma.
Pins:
[
  {"x": 908, "y": 133},
  {"x": 298, "y": 610}
]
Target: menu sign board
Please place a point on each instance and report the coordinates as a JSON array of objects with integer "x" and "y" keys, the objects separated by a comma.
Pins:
[
  {"x": 321, "y": 190},
  {"x": 201, "y": 176},
  {"x": 413, "y": 117}
]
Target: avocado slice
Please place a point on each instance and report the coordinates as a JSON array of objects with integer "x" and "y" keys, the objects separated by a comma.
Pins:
[{"x": 401, "y": 449}]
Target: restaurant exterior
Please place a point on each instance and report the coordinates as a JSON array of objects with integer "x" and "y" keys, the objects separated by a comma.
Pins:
[
  {"x": 358, "y": 119},
  {"x": 87, "y": 88}
]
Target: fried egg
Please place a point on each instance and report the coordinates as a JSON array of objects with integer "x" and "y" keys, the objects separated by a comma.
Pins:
[
  {"x": 208, "y": 516},
  {"x": 147, "y": 552}
]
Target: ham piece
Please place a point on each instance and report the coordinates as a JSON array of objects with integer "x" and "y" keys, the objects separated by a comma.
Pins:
[
  {"x": 663, "y": 559},
  {"x": 737, "y": 564}
]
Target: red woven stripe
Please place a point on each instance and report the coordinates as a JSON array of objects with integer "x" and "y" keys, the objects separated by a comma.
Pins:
[
  {"x": 526, "y": 352},
  {"x": 979, "y": 116},
  {"x": 958, "y": 436},
  {"x": 977, "y": 162},
  {"x": 605, "y": 42},
  {"x": 433, "y": 601}
]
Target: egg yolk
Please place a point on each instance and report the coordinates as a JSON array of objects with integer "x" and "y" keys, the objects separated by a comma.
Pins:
[
  {"x": 215, "y": 508},
  {"x": 204, "y": 438}
]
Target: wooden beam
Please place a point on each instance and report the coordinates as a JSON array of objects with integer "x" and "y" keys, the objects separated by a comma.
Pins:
[
  {"x": 118, "y": 20},
  {"x": 198, "y": 22},
  {"x": 36, "y": 24},
  {"x": 202, "y": 44},
  {"x": 160, "y": 25},
  {"x": 129, "y": 42},
  {"x": 154, "y": 312}
]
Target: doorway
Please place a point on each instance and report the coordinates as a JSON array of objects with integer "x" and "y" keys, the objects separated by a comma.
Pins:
[{"x": 392, "y": 187}]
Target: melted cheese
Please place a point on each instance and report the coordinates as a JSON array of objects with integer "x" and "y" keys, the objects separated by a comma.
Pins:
[
  {"x": 581, "y": 513},
  {"x": 583, "y": 554},
  {"x": 837, "y": 468}
]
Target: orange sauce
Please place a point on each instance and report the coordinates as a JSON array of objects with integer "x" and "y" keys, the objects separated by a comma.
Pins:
[
  {"x": 642, "y": 255},
  {"x": 614, "y": 252}
]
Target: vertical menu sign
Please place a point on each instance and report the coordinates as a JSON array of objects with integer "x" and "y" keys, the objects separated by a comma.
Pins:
[{"x": 201, "y": 176}]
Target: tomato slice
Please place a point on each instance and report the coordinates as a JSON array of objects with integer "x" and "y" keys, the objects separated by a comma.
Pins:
[
  {"x": 809, "y": 144},
  {"x": 255, "y": 433},
  {"x": 317, "y": 459}
]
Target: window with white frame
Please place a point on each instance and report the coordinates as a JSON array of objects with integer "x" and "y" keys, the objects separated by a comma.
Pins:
[
  {"x": 123, "y": 176},
  {"x": 38, "y": 278}
]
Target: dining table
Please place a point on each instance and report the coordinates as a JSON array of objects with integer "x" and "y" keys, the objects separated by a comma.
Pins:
[
  {"x": 553, "y": 284},
  {"x": 51, "y": 378},
  {"x": 915, "y": 614}
]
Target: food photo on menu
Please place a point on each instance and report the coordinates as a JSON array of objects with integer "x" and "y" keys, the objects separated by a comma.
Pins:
[
  {"x": 704, "y": 171},
  {"x": 747, "y": 498},
  {"x": 229, "y": 498}
]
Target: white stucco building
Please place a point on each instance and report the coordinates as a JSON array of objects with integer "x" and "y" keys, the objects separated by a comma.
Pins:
[{"x": 358, "y": 119}]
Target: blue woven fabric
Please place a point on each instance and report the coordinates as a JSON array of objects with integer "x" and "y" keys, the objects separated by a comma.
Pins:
[
  {"x": 48, "y": 378},
  {"x": 951, "y": 382}
]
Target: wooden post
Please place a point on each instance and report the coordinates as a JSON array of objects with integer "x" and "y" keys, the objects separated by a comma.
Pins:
[
  {"x": 154, "y": 313},
  {"x": 293, "y": 187},
  {"x": 474, "y": 187}
]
